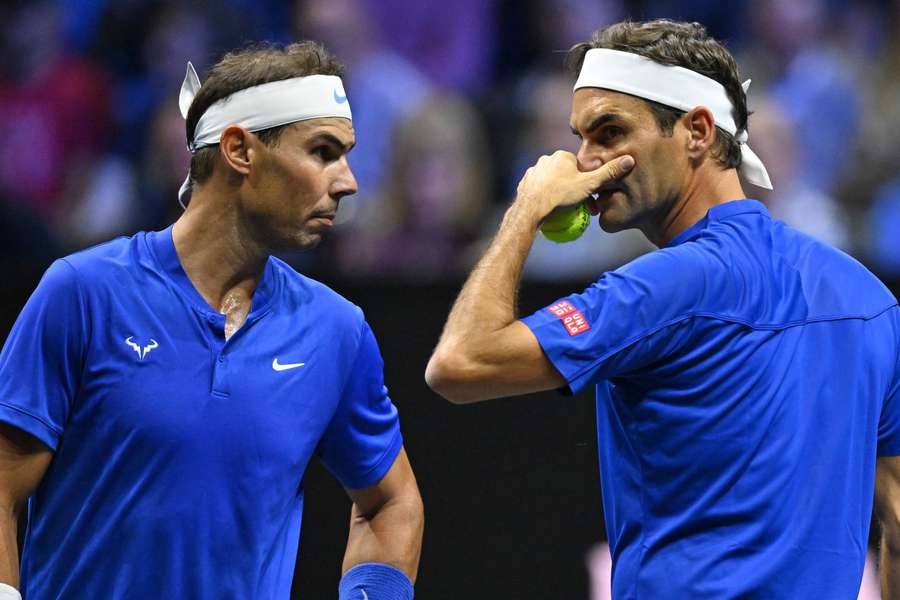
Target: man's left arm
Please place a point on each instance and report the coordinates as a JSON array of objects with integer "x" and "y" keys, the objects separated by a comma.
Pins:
[
  {"x": 363, "y": 448},
  {"x": 484, "y": 352},
  {"x": 385, "y": 541}
]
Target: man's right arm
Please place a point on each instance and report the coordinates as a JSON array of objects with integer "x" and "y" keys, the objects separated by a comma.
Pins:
[
  {"x": 40, "y": 368},
  {"x": 484, "y": 351},
  {"x": 23, "y": 462}
]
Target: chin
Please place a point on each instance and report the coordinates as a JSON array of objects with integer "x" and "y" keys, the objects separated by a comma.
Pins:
[
  {"x": 292, "y": 242},
  {"x": 620, "y": 213},
  {"x": 306, "y": 241},
  {"x": 611, "y": 222}
]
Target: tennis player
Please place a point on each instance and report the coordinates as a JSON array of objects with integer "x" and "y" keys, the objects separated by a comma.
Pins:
[
  {"x": 162, "y": 395},
  {"x": 746, "y": 375}
]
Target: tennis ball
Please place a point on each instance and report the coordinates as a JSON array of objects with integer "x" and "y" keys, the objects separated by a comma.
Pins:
[{"x": 566, "y": 225}]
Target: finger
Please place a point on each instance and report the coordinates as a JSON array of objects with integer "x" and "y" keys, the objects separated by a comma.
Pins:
[
  {"x": 561, "y": 157},
  {"x": 524, "y": 180},
  {"x": 614, "y": 169}
]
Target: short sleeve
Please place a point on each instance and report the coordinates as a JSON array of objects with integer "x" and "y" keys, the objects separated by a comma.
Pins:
[
  {"x": 42, "y": 359},
  {"x": 889, "y": 423},
  {"x": 619, "y": 324},
  {"x": 363, "y": 438}
]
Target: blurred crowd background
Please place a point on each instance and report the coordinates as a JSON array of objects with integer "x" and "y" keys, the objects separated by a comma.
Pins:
[{"x": 452, "y": 101}]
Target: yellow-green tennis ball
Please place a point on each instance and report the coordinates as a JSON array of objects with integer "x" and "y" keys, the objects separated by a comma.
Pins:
[{"x": 566, "y": 225}]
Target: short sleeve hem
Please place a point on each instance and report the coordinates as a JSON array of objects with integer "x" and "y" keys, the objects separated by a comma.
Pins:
[
  {"x": 30, "y": 424},
  {"x": 889, "y": 449},
  {"x": 577, "y": 377},
  {"x": 380, "y": 469}
]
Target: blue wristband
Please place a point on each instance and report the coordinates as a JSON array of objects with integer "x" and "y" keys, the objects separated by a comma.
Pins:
[{"x": 375, "y": 581}]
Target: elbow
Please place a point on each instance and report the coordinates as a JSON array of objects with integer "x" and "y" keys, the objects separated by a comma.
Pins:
[{"x": 451, "y": 377}]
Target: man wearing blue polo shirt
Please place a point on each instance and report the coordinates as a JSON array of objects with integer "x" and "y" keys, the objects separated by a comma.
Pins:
[
  {"x": 162, "y": 395},
  {"x": 747, "y": 376}
]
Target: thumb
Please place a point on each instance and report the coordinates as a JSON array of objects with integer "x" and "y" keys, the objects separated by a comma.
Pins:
[{"x": 614, "y": 169}]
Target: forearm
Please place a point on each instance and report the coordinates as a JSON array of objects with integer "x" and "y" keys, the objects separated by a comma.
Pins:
[
  {"x": 392, "y": 535},
  {"x": 889, "y": 566},
  {"x": 487, "y": 302},
  {"x": 483, "y": 352},
  {"x": 9, "y": 549}
]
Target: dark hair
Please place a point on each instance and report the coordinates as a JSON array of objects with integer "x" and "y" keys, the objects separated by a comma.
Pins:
[
  {"x": 681, "y": 44},
  {"x": 248, "y": 67}
]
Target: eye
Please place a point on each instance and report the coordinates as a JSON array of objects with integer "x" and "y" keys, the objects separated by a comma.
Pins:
[
  {"x": 612, "y": 132},
  {"x": 326, "y": 153}
]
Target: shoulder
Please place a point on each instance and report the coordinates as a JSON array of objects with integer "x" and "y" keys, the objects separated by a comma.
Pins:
[
  {"x": 83, "y": 273},
  {"x": 317, "y": 301},
  {"x": 668, "y": 283},
  {"x": 96, "y": 263},
  {"x": 769, "y": 276},
  {"x": 684, "y": 262},
  {"x": 834, "y": 283}
]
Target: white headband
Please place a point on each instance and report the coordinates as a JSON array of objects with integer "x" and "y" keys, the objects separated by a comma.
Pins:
[
  {"x": 261, "y": 107},
  {"x": 672, "y": 86}
]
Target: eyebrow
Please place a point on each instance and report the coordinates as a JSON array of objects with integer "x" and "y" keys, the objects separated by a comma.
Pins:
[
  {"x": 332, "y": 139},
  {"x": 596, "y": 123}
]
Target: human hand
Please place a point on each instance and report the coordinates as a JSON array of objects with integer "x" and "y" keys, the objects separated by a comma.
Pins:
[{"x": 556, "y": 182}]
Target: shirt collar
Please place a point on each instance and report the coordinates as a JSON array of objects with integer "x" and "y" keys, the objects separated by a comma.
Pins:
[
  {"x": 720, "y": 212},
  {"x": 163, "y": 248}
]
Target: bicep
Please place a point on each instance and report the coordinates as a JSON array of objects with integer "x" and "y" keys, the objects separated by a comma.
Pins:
[
  {"x": 518, "y": 364},
  {"x": 887, "y": 490},
  {"x": 509, "y": 363},
  {"x": 23, "y": 462},
  {"x": 399, "y": 482}
]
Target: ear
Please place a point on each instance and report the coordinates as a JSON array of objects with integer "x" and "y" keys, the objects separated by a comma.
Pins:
[
  {"x": 235, "y": 148},
  {"x": 701, "y": 129}
]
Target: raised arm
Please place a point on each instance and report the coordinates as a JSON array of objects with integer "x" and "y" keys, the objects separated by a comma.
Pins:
[
  {"x": 23, "y": 462},
  {"x": 386, "y": 525},
  {"x": 887, "y": 508},
  {"x": 484, "y": 352}
]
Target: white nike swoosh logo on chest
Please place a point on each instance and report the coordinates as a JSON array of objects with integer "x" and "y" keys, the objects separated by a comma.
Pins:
[{"x": 284, "y": 367}]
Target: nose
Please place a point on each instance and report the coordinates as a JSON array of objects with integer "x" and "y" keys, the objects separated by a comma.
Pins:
[
  {"x": 589, "y": 157},
  {"x": 345, "y": 183}
]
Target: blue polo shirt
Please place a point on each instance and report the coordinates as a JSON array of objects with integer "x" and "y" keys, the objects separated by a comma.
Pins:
[
  {"x": 179, "y": 456},
  {"x": 747, "y": 376}
]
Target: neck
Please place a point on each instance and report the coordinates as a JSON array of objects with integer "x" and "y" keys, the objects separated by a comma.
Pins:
[
  {"x": 707, "y": 188},
  {"x": 219, "y": 255}
]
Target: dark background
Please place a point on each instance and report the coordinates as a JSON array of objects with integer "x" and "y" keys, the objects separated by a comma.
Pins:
[{"x": 511, "y": 487}]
